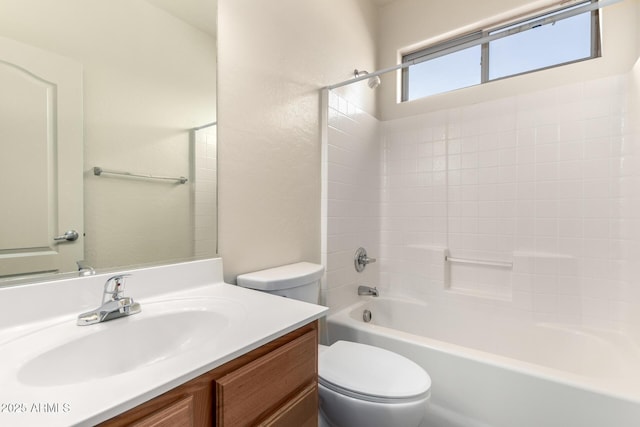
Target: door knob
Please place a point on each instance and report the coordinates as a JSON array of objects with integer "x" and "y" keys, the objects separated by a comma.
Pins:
[{"x": 69, "y": 236}]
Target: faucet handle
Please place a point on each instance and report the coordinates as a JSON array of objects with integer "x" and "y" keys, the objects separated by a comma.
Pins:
[
  {"x": 85, "y": 269},
  {"x": 114, "y": 287},
  {"x": 360, "y": 259}
]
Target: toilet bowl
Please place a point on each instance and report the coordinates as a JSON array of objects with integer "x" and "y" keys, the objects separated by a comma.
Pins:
[{"x": 359, "y": 384}]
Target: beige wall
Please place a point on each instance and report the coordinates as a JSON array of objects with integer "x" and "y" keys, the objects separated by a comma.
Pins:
[
  {"x": 637, "y": 6},
  {"x": 274, "y": 57}
]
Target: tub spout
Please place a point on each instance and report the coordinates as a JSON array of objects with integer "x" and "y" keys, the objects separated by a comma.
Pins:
[{"x": 368, "y": 290}]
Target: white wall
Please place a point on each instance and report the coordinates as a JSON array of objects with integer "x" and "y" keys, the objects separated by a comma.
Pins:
[
  {"x": 148, "y": 79},
  {"x": 274, "y": 57}
]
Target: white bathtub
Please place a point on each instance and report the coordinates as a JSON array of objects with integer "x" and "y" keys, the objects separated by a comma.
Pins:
[{"x": 491, "y": 371}]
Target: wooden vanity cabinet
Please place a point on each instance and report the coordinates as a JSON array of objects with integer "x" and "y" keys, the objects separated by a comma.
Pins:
[{"x": 273, "y": 385}]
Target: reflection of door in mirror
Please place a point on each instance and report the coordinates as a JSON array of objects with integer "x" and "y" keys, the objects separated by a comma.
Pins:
[{"x": 40, "y": 161}]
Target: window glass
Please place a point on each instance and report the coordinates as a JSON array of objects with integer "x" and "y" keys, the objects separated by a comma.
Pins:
[
  {"x": 565, "y": 41},
  {"x": 493, "y": 57},
  {"x": 445, "y": 73}
]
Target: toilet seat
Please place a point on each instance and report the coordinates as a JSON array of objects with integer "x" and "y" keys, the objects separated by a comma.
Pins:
[{"x": 372, "y": 374}]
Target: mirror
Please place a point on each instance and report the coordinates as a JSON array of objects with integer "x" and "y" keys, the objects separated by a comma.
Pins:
[{"x": 146, "y": 109}]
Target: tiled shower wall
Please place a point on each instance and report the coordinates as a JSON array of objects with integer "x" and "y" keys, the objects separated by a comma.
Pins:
[
  {"x": 541, "y": 183},
  {"x": 536, "y": 182},
  {"x": 205, "y": 194},
  {"x": 351, "y": 200},
  {"x": 632, "y": 210}
]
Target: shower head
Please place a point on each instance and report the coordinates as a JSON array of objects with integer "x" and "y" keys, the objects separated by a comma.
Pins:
[{"x": 373, "y": 82}]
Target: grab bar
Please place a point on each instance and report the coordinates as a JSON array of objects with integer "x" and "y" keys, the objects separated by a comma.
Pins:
[
  {"x": 500, "y": 264},
  {"x": 97, "y": 170}
]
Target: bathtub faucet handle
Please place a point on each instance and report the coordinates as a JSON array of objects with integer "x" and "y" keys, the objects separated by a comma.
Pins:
[
  {"x": 360, "y": 259},
  {"x": 368, "y": 290}
]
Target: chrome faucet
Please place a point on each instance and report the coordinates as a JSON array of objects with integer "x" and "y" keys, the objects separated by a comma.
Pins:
[
  {"x": 360, "y": 259},
  {"x": 114, "y": 303},
  {"x": 368, "y": 290},
  {"x": 85, "y": 269}
]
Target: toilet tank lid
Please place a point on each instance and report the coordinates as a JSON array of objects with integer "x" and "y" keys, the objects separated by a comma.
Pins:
[{"x": 283, "y": 277}]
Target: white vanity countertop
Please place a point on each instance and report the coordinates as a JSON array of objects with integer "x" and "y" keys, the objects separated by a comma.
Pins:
[{"x": 255, "y": 318}]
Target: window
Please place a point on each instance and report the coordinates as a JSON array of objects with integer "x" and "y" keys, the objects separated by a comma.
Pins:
[{"x": 555, "y": 38}]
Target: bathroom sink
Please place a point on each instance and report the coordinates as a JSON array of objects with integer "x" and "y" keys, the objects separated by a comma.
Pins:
[{"x": 160, "y": 332}]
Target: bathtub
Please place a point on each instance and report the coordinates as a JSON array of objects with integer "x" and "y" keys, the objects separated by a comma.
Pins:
[{"x": 488, "y": 371}]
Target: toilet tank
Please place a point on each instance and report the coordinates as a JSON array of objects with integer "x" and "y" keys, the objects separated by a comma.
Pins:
[{"x": 300, "y": 281}]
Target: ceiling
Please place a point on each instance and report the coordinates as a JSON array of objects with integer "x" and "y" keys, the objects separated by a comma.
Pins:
[
  {"x": 198, "y": 13},
  {"x": 381, "y": 2}
]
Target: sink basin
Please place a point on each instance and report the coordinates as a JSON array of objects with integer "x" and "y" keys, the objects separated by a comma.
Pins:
[{"x": 159, "y": 332}]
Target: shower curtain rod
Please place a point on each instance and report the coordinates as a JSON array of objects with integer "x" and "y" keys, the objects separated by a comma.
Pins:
[{"x": 524, "y": 27}]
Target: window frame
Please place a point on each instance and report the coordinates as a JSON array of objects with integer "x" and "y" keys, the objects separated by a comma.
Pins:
[{"x": 459, "y": 41}]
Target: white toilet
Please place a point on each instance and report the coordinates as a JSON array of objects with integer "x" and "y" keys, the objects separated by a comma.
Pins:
[{"x": 359, "y": 385}]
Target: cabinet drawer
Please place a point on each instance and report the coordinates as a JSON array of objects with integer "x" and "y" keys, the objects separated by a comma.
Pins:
[
  {"x": 258, "y": 388},
  {"x": 300, "y": 411}
]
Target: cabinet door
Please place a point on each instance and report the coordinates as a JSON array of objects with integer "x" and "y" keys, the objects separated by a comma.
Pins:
[
  {"x": 259, "y": 388},
  {"x": 178, "y": 414},
  {"x": 301, "y": 411}
]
